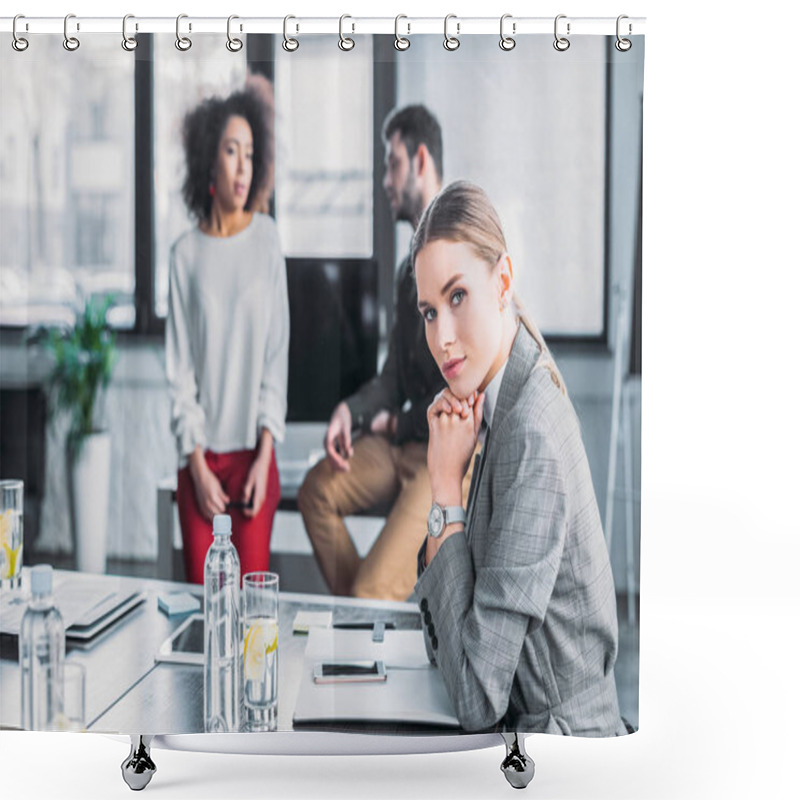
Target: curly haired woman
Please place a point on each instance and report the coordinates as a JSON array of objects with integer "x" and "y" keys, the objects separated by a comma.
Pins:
[{"x": 227, "y": 337}]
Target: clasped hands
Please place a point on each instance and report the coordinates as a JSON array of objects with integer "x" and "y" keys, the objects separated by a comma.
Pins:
[{"x": 454, "y": 424}]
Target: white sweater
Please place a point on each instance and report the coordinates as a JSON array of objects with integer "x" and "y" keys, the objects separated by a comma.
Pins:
[{"x": 227, "y": 342}]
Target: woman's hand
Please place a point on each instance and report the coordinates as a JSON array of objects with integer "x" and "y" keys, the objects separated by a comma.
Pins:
[
  {"x": 454, "y": 425},
  {"x": 211, "y": 497},
  {"x": 256, "y": 485}
]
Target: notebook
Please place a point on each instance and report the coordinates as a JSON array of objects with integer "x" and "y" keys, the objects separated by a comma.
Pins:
[{"x": 87, "y": 606}]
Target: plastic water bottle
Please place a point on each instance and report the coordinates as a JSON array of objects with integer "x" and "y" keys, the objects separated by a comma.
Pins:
[
  {"x": 222, "y": 659},
  {"x": 41, "y": 654}
]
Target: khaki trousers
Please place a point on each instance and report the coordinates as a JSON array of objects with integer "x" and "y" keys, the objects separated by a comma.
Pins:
[{"x": 380, "y": 474}]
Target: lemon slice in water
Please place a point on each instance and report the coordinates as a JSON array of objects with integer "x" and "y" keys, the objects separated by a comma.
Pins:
[
  {"x": 8, "y": 564},
  {"x": 260, "y": 639}
]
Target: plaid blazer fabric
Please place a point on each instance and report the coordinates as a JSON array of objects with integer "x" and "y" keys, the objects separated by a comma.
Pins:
[{"x": 519, "y": 610}]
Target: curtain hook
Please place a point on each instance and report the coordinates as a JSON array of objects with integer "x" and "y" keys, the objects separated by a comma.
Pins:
[
  {"x": 289, "y": 44},
  {"x": 561, "y": 43},
  {"x": 345, "y": 42},
  {"x": 18, "y": 42},
  {"x": 623, "y": 45},
  {"x": 507, "y": 42},
  {"x": 400, "y": 42},
  {"x": 183, "y": 43},
  {"x": 451, "y": 42},
  {"x": 129, "y": 43},
  {"x": 233, "y": 44},
  {"x": 71, "y": 43}
]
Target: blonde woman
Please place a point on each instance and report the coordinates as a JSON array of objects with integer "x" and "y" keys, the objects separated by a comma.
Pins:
[{"x": 517, "y": 599}]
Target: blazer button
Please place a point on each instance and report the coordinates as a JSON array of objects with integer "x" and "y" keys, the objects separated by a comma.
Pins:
[
  {"x": 435, "y": 643},
  {"x": 427, "y": 617},
  {"x": 424, "y": 604},
  {"x": 431, "y": 629}
]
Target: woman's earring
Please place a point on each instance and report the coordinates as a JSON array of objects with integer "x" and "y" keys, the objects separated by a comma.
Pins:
[{"x": 211, "y": 189}]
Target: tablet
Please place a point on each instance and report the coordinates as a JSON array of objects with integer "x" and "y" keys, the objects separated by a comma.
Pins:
[{"x": 185, "y": 646}]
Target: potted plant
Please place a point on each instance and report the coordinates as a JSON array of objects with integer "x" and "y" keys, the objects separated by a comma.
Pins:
[{"x": 84, "y": 357}]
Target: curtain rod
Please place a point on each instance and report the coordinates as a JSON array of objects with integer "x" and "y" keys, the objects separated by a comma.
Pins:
[{"x": 405, "y": 26}]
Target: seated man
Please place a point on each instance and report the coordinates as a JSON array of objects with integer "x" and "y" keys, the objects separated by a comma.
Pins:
[{"x": 387, "y": 464}]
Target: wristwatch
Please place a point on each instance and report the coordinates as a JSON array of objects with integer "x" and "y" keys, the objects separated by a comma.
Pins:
[{"x": 440, "y": 517}]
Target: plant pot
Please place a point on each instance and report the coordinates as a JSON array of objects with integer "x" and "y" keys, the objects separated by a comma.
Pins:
[{"x": 89, "y": 491}]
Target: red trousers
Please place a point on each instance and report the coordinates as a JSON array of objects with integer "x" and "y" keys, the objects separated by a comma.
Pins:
[{"x": 251, "y": 535}]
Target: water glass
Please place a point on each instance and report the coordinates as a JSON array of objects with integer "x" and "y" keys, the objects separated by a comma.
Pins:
[
  {"x": 260, "y": 659},
  {"x": 72, "y": 716},
  {"x": 11, "y": 496}
]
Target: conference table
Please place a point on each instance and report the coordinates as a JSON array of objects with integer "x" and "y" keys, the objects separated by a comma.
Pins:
[{"x": 128, "y": 691}]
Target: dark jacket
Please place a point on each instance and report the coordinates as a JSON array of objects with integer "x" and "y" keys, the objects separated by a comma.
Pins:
[{"x": 409, "y": 374}]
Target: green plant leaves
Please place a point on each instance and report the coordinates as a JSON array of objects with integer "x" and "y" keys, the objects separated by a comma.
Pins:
[{"x": 84, "y": 356}]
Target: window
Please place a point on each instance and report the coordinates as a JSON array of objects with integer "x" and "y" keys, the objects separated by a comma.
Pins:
[
  {"x": 180, "y": 82},
  {"x": 324, "y": 149},
  {"x": 530, "y": 112},
  {"x": 69, "y": 133},
  {"x": 66, "y": 181}
]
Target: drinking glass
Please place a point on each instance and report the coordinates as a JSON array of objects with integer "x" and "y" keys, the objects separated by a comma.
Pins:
[
  {"x": 72, "y": 716},
  {"x": 11, "y": 495},
  {"x": 260, "y": 660}
]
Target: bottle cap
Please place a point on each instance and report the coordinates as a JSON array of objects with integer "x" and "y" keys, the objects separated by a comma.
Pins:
[
  {"x": 222, "y": 525},
  {"x": 41, "y": 580}
]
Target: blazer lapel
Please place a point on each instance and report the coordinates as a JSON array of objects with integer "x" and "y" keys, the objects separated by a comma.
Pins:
[
  {"x": 524, "y": 354},
  {"x": 477, "y": 473},
  {"x": 473, "y": 484}
]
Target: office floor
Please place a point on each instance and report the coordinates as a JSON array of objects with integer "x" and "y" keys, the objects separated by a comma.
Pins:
[{"x": 297, "y": 569}]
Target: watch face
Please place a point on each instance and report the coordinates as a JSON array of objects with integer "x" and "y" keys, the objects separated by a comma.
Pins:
[{"x": 435, "y": 520}]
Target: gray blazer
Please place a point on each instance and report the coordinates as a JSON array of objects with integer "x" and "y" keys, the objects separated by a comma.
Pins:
[{"x": 519, "y": 611}]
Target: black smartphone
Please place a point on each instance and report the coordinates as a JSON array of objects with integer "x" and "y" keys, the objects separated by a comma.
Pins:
[
  {"x": 355, "y": 433},
  {"x": 241, "y": 503},
  {"x": 350, "y": 672}
]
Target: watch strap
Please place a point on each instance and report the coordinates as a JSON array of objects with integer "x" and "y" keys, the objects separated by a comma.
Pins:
[{"x": 454, "y": 514}]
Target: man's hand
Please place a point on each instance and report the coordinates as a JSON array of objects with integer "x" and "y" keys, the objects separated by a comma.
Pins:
[
  {"x": 384, "y": 423},
  {"x": 338, "y": 438}
]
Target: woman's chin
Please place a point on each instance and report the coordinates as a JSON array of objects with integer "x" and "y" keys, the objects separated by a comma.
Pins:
[{"x": 462, "y": 388}]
